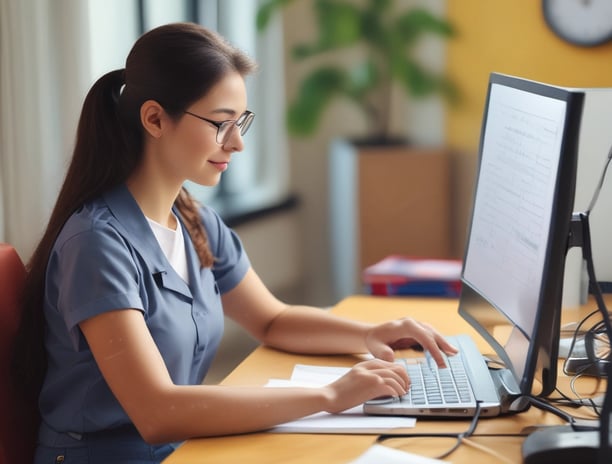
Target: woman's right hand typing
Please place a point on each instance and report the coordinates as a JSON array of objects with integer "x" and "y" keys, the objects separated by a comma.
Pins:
[{"x": 365, "y": 381}]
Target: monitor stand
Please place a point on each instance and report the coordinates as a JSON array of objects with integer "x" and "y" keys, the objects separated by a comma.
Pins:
[{"x": 569, "y": 443}]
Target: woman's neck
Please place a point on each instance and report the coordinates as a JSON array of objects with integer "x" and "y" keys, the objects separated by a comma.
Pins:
[{"x": 154, "y": 197}]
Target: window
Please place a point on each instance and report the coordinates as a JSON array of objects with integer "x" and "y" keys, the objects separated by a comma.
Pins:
[{"x": 258, "y": 177}]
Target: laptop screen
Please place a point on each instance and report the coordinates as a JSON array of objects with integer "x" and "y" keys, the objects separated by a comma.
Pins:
[{"x": 514, "y": 260}]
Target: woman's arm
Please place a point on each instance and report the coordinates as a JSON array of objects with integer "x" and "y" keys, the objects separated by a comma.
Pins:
[
  {"x": 135, "y": 372},
  {"x": 304, "y": 329}
]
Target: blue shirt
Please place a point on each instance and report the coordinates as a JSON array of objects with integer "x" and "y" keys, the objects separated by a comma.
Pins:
[{"x": 106, "y": 257}]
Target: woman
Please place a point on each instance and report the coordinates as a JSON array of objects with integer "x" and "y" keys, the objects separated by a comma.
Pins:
[{"x": 132, "y": 279}]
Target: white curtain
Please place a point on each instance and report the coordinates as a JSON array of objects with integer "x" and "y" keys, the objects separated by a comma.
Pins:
[{"x": 44, "y": 73}]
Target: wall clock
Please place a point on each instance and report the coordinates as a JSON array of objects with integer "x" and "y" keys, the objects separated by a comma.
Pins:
[{"x": 580, "y": 22}]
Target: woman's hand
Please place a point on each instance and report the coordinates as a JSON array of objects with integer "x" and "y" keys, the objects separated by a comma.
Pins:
[
  {"x": 365, "y": 381},
  {"x": 384, "y": 338}
]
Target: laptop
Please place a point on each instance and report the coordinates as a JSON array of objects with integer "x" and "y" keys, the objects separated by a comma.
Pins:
[
  {"x": 512, "y": 273},
  {"x": 453, "y": 391}
]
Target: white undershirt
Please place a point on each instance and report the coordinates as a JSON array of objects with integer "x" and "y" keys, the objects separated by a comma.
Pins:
[{"x": 172, "y": 244}]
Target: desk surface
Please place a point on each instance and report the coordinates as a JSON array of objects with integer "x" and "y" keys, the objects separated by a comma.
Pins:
[{"x": 265, "y": 363}]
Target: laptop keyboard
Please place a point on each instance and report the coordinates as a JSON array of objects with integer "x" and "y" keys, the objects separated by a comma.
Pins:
[{"x": 431, "y": 385}]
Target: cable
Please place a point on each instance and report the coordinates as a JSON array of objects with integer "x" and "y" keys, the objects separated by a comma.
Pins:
[
  {"x": 458, "y": 436},
  {"x": 465, "y": 434},
  {"x": 595, "y": 407},
  {"x": 576, "y": 333},
  {"x": 546, "y": 406},
  {"x": 605, "y": 452},
  {"x": 579, "y": 402},
  {"x": 596, "y": 348},
  {"x": 464, "y": 440},
  {"x": 486, "y": 449},
  {"x": 600, "y": 183}
]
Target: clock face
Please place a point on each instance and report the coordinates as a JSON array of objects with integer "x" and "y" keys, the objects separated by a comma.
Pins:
[{"x": 581, "y": 22}]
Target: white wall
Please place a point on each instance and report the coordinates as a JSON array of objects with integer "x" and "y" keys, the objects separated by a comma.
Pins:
[{"x": 593, "y": 147}]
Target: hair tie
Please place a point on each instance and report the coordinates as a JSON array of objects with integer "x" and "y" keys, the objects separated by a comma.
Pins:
[{"x": 122, "y": 82}]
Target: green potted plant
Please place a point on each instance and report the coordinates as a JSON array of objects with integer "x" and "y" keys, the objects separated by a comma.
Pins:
[
  {"x": 378, "y": 178},
  {"x": 388, "y": 38}
]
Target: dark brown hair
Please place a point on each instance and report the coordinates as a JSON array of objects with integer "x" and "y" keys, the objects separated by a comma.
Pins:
[{"x": 175, "y": 65}]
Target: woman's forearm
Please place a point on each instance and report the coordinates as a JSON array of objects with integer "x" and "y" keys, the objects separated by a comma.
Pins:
[
  {"x": 304, "y": 329},
  {"x": 183, "y": 412}
]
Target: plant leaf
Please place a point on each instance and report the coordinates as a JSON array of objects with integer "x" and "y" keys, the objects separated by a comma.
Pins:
[
  {"x": 339, "y": 26},
  {"x": 389, "y": 38},
  {"x": 417, "y": 22},
  {"x": 267, "y": 10},
  {"x": 420, "y": 83},
  {"x": 379, "y": 5},
  {"x": 316, "y": 92},
  {"x": 362, "y": 79},
  {"x": 416, "y": 80}
]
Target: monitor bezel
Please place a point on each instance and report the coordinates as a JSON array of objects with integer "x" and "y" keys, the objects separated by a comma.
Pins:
[{"x": 543, "y": 351}]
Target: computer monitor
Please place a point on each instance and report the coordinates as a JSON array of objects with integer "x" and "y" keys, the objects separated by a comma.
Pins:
[{"x": 512, "y": 276}]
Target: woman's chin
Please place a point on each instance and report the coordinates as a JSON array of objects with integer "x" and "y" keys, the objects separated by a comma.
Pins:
[{"x": 206, "y": 182}]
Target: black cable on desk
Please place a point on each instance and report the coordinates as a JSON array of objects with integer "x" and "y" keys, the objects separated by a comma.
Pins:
[
  {"x": 566, "y": 401},
  {"x": 546, "y": 406},
  {"x": 459, "y": 436}
]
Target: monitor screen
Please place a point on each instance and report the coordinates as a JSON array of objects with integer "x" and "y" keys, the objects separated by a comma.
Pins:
[{"x": 515, "y": 255}]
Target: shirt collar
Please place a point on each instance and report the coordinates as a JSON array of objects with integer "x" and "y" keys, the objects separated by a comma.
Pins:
[{"x": 125, "y": 209}]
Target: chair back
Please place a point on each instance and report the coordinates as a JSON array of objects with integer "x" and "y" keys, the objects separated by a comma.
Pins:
[{"x": 17, "y": 419}]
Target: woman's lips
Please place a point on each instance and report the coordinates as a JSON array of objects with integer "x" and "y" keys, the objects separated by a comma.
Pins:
[{"x": 220, "y": 165}]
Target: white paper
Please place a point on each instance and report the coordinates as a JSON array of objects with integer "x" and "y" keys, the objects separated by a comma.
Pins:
[
  {"x": 318, "y": 375},
  {"x": 350, "y": 421},
  {"x": 378, "y": 453}
]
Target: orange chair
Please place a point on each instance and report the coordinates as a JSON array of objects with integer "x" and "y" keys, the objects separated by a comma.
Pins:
[{"x": 17, "y": 420}]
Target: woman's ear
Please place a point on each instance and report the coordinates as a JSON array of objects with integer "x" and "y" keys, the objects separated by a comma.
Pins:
[{"x": 151, "y": 116}]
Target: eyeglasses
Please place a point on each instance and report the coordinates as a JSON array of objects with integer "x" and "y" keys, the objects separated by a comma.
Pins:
[{"x": 225, "y": 128}]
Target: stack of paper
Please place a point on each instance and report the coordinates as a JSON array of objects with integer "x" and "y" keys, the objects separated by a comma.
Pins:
[{"x": 350, "y": 421}]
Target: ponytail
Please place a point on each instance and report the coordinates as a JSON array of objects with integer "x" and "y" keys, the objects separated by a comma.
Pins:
[
  {"x": 104, "y": 154},
  {"x": 98, "y": 163}
]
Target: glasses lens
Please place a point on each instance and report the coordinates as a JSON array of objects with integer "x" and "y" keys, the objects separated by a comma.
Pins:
[
  {"x": 246, "y": 122},
  {"x": 227, "y": 128},
  {"x": 224, "y": 131}
]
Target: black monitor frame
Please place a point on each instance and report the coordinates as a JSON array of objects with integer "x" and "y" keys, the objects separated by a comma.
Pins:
[{"x": 480, "y": 312}]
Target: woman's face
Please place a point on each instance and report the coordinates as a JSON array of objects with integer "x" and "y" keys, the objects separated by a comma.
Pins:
[{"x": 190, "y": 148}]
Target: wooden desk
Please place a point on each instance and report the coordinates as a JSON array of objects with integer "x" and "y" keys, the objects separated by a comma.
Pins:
[{"x": 265, "y": 363}]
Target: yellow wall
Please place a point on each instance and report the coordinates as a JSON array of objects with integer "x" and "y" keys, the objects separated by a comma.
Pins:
[{"x": 511, "y": 37}]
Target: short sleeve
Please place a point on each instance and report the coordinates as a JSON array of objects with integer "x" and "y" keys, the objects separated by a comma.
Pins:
[
  {"x": 231, "y": 260},
  {"x": 93, "y": 272}
]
